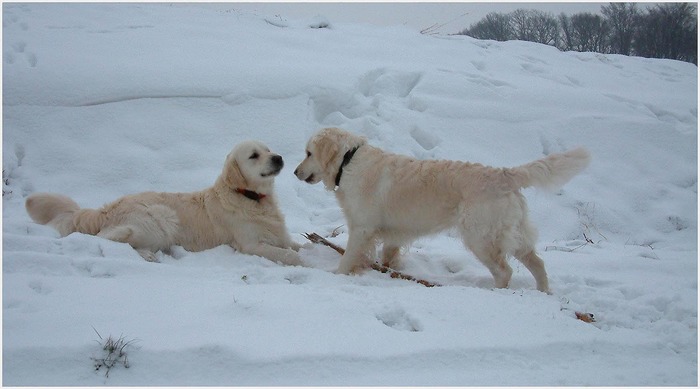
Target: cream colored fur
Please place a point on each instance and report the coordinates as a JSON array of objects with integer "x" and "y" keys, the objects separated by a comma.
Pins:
[
  {"x": 396, "y": 199},
  {"x": 196, "y": 221}
]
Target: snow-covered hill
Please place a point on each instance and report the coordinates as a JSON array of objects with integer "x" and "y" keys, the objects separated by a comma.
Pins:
[{"x": 102, "y": 100}]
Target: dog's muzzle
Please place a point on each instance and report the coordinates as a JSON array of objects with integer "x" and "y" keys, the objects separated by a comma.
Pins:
[
  {"x": 276, "y": 165},
  {"x": 309, "y": 179}
]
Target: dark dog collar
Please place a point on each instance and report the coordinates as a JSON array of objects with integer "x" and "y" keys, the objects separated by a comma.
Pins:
[
  {"x": 255, "y": 196},
  {"x": 346, "y": 160}
]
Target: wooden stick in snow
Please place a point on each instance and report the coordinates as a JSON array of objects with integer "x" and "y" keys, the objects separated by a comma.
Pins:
[{"x": 315, "y": 238}]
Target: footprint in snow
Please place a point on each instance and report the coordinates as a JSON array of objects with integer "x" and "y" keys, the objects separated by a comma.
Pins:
[
  {"x": 425, "y": 139},
  {"x": 399, "y": 320},
  {"x": 31, "y": 59},
  {"x": 39, "y": 287},
  {"x": 19, "y": 48}
]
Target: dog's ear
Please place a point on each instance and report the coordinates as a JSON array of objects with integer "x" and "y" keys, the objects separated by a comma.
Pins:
[
  {"x": 326, "y": 149},
  {"x": 342, "y": 140},
  {"x": 233, "y": 176}
]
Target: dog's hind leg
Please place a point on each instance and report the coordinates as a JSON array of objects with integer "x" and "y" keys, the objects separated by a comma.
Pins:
[
  {"x": 535, "y": 265},
  {"x": 525, "y": 252},
  {"x": 495, "y": 260},
  {"x": 491, "y": 254},
  {"x": 120, "y": 234},
  {"x": 125, "y": 234}
]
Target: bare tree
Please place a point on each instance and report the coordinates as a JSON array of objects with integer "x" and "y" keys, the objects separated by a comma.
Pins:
[
  {"x": 521, "y": 22},
  {"x": 566, "y": 41},
  {"x": 668, "y": 30},
  {"x": 534, "y": 26},
  {"x": 494, "y": 26},
  {"x": 584, "y": 32},
  {"x": 622, "y": 19},
  {"x": 545, "y": 27}
]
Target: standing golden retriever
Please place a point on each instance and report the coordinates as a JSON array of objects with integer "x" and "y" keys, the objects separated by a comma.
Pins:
[
  {"x": 396, "y": 199},
  {"x": 239, "y": 210}
]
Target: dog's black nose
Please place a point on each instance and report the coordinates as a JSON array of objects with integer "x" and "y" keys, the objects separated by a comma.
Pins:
[{"x": 277, "y": 160}]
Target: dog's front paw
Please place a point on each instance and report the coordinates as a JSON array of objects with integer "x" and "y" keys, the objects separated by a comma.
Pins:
[
  {"x": 292, "y": 258},
  {"x": 349, "y": 267},
  {"x": 342, "y": 271},
  {"x": 308, "y": 246},
  {"x": 148, "y": 255},
  {"x": 295, "y": 246}
]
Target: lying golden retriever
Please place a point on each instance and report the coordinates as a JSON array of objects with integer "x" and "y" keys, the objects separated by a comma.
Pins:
[
  {"x": 239, "y": 210},
  {"x": 396, "y": 199}
]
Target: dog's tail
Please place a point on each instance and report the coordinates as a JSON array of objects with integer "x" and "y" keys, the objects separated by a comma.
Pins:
[
  {"x": 63, "y": 214},
  {"x": 551, "y": 172}
]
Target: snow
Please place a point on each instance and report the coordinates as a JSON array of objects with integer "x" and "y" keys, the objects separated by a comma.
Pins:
[{"x": 103, "y": 100}]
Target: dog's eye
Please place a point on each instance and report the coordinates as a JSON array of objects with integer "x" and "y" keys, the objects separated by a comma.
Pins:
[{"x": 254, "y": 156}]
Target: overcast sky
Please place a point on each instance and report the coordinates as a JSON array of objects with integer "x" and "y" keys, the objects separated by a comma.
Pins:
[{"x": 457, "y": 15}]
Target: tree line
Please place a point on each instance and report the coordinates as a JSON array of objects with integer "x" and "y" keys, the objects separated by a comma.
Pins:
[{"x": 667, "y": 30}]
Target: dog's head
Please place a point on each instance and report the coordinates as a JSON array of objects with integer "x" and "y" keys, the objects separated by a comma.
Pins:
[
  {"x": 324, "y": 155},
  {"x": 251, "y": 165}
]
